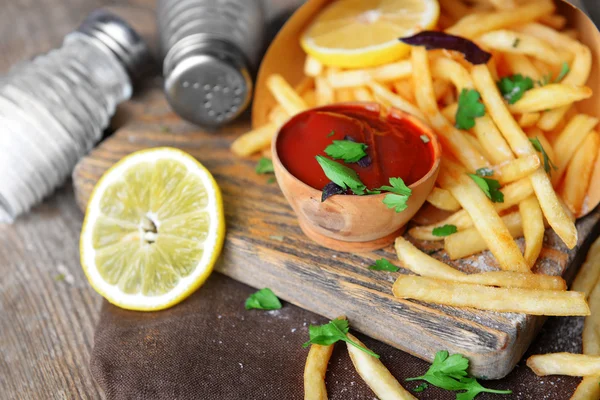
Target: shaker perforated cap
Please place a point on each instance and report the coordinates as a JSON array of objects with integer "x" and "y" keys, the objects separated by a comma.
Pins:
[
  {"x": 121, "y": 39},
  {"x": 206, "y": 80}
]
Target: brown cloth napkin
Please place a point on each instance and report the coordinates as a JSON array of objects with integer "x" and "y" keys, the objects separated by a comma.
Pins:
[{"x": 209, "y": 347}]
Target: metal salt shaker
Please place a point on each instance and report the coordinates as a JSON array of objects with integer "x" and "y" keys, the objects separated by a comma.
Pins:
[
  {"x": 54, "y": 108},
  {"x": 211, "y": 49}
]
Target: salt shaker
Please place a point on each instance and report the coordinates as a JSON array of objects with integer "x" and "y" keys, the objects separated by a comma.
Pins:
[
  {"x": 54, "y": 108},
  {"x": 211, "y": 48}
]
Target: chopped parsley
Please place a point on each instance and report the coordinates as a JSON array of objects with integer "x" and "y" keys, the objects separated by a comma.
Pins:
[
  {"x": 330, "y": 134},
  {"x": 564, "y": 70},
  {"x": 485, "y": 171},
  {"x": 491, "y": 188},
  {"x": 331, "y": 333},
  {"x": 264, "y": 166},
  {"x": 346, "y": 150},
  {"x": 516, "y": 43},
  {"x": 469, "y": 108},
  {"x": 384, "y": 265},
  {"x": 445, "y": 230},
  {"x": 548, "y": 164},
  {"x": 514, "y": 87}
]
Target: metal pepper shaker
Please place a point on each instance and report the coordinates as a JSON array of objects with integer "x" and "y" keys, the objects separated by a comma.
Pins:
[
  {"x": 54, "y": 108},
  {"x": 211, "y": 49}
]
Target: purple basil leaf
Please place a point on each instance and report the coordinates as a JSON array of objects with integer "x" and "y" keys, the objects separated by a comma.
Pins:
[
  {"x": 349, "y": 138},
  {"x": 330, "y": 189},
  {"x": 364, "y": 162},
  {"x": 439, "y": 40}
]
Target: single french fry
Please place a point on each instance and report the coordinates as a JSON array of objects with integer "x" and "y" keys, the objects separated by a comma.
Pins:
[
  {"x": 454, "y": 9},
  {"x": 315, "y": 370},
  {"x": 360, "y": 77},
  {"x": 405, "y": 89},
  {"x": 527, "y": 301},
  {"x": 540, "y": 31},
  {"x": 520, "y": 64},
  {"x": 312, "y": 66},
  {"x": 278, "y": 115},
  {"x": 571, "y": 33},
  {"x": 527, "y": 120},
  {"x": 504, "y": 4},
  {"x": 589, "y": 273},
  {"x": 519, "y": 143},
  {"x": 551, "y": 96},
  {"x": 391, "y": 72},
  {"x": 555, "y": 21},
  {"x": 520, "y": 43},
  {"x": 564, "y": 364},
  {"x": 591, "y": 326},
  {"x": 376, "y": 375},
  {"x": 344, "y": 95},
  {"x": 579, "y": 172},
  {"x": 477, "y": 146},
  {"x": 469, "y": 241},
  {"x": 450, "y": 70},
  {"x": 440, "y": 88},
  {"x": 422, "y": 264},
  {"x": 516, "y": 169},
  {"x": 473, "y": 25},
  {"x": 310, "y": 98},
  {"x": 449, "y": 112},
  {"x": 285, "y": 95},
  {"x": 267, "y": 153},
  {"x": 533, "y": 229},
  {"x": 255, "y": 140},
  {"x": 492, "y": 141},
  {"x": 484, "y": 216},
  {"x": 363, "y": 94},
  {"x": 588, "y": 389},
  {"x": 394, "y": 99},
  {"x": 593, "y": 196},
  {"x": 569, "y": 140},
  {"x": 443, "y": 200},
  {"x": 451, "y": 138},
  {"x": 323, "y": 91}
]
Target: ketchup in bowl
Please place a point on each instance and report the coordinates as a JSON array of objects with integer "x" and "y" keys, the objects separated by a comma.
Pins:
[{"x": 395, "y": 146}]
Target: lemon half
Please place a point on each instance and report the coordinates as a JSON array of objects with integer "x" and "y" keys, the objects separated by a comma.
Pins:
[
  {"x": 153, "y": 230},
  {"x": 363, "y": 33}
]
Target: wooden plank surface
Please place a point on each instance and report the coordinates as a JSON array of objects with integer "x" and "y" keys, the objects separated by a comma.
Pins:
[{"x": 324, "y": 281}]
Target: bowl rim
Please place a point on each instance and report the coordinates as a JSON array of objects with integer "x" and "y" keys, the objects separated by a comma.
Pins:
[{"x": 382, "y": 111}]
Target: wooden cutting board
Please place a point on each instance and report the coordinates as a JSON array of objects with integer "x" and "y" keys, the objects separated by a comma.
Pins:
[{"x": 266, "y": 248}]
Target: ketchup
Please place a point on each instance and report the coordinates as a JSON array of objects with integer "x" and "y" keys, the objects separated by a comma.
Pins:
[{"x": 394, "y": 144}]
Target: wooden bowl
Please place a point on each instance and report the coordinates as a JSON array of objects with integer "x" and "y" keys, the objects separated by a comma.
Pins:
[{"x": 348, "y": 222}]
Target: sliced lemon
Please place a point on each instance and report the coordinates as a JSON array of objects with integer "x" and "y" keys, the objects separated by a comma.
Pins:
[
  {"x": 364, "y": 33},
  {"x": 153, "y": 230}
]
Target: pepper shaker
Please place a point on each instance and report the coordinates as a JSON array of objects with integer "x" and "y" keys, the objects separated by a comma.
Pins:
[
  {"x": 211, "y": 49},
  {"x": 54, "y": 108}
]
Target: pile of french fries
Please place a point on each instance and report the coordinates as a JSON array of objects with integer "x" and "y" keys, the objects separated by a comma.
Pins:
[{"x": 427, "y": 84}]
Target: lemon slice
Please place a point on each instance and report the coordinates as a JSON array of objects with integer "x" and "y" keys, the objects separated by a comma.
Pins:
[
  {"x": 153, "y": 230},
  {"x": 364, "y": 33}
]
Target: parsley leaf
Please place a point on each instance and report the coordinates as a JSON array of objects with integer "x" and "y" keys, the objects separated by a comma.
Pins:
[
  {"x": 330, "y": 134},
  {"x": 485, "y": 171},
  {"x": 491, "y": 188},
  {"x": 548, "y": 164},
  {"x": 264, "y": 299},
  {"x": 450, "y": 373},
  {"x": 398, "y": 198},
  {"x": 514, "y": 87},
  {"x": 264, "y": 166},
  {"x": 346, "y": 150},
  {"x": 545, "y": 80},
  {"x": 421, "y": 387},
  {"x": 341, "y": 175},
  {"x": 469, "y": 108},
  {"x": 445, "y": 230},
  {"x": 564, "y": 70},
  {"x": 384, "y": 265},
  {"x": 331, "y": 333}
]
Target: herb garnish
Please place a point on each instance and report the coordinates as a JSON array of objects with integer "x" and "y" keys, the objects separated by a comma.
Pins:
[
  {"x": 491, "y": 188},
  {"x": 344, "y": 177},
  {"x": 264, "y": 166},
  {"x": 331, "y": 333},
  {"x": 384, "y": 265},
  {"x": 564, "y": 70},
  {"x": 445, "y": 230},
  {"x": 440, "y": 40},
  {"x": 548, "y": 164},
  {"x": 469, "y": 108},
  {"x": 330, "y": 189},
  {"x": 330, "y": 134},
  {"x": 346, "y": 150},
  {"x": 398, "y": 198},
  {"x": 450, "y": 373},
  {"x": 421, "y": 387},
  {"x": 425, "y": 138},
  {"x": 514, "y": 87},
  {"x": 485, "y": 171},
  {"x": 516, "y": 43},
  {"x": 264, "y": 299},
  {"x": 545, "y": 80}
]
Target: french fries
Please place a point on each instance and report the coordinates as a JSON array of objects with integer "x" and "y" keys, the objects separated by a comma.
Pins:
[
  {"x": 588, "y": 389},
  {"x": 255, "y": 140},
  {"x": 376, "y": 375},
  {"x": 361, "y": 77},
  {"x": 569, "y": 140},
  {"x": 420, "y": 263},
  {"x": 551, "y": 96},
  {"x": 527, "y": 301},
  {"x": 505, "y": 40},
  {"x": 533, "y": 228},
  {"x": 394, "y": 100},
  {"x": 518, "y": 141},
  {"x": 484, "y": 216},
  {"x": 577, "y": 177},
  {"x": 312, "y": 67},
  {"x": 564, "y": 364},
  {"x": 587, "y": 277},
  {"x": 443, "y": 200},
  {"x": 315, "y": 370},
  {"x": 323, "y": 91},
  {"x": 285, "y": 95},
  {"x": 593, "y": 196},
  {"x": 516, "y": 169}
]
